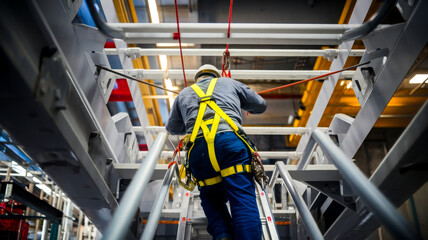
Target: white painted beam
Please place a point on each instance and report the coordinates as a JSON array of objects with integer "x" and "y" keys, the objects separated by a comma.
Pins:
[
  {"x": 236, "y": 74},
  {"x": 326, "y": 53}
]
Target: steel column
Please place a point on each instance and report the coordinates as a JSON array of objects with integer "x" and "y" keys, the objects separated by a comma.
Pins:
[{"x": 360, "y": 11}]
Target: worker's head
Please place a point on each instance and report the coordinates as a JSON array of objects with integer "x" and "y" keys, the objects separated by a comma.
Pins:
[{"x": 207, "y": 70}]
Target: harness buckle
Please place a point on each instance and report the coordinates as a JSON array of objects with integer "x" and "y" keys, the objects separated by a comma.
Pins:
[
  {"x": 206, "y": 98},
  {"x": 242, "y": 167}
]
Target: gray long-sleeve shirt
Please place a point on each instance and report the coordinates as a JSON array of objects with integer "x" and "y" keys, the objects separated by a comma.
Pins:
[{"x": 229, "y": 95}]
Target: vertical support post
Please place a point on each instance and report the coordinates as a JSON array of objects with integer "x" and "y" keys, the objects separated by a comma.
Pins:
[
  {"x": 79, "y": 225},
  {"x": 119, "y": 226},
  {"x": 307, "y": 218},
  {"x": 304, "y": 161},
  {"x": 155, "y": 213},
  {"x": 36, "y": 228}
]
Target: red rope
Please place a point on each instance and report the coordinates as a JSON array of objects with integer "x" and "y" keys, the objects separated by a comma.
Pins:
[
  {"x": 226, "y": 53},
  {"x": 313, "y": 78},
  {"x": 178, "y": 35}
]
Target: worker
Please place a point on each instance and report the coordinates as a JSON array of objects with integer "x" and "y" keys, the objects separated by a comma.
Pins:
[{"x": 210, "y": 111}]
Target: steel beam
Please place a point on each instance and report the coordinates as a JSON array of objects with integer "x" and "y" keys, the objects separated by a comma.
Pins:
[
  {"x": 263, "y": 155},
  {"x": 403, "y": 55},
  {"x": 235, "y": 28},
  {"x": 324, "y": 173},
  {"x": 360, "y": 11},
  {"x": 237, "y": 74},
  {"x": 326, "y": 53},
  {"x": 248, "y": 130},
  {"x": 236, "y": 38}
]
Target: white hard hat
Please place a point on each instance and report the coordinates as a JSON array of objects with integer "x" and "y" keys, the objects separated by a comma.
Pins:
[{"x": 207, "y": 68}]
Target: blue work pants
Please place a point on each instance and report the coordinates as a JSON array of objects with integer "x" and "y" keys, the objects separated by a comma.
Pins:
[{"x": 238, "y": 189}]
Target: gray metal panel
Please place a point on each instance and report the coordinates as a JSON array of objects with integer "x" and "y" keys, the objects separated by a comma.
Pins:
[
  {"x": 47, "y": 113},
  {"x": 357, "y": 17},
  {"x": 399, "y": 175},
  {"x": 411, "y": 42}
]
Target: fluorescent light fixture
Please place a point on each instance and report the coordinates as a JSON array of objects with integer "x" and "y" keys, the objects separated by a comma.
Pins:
[
  {"x": 20, "y": 170},
  {"x": 349, "y": 85},
  {"x": 419, "y": 78},
  {"x": 45, "y": 188},
  {"x": 174, "y": 45},
  {"x": 163, "y": 62},
  {"x": 168, "y": 85},
  {"x": 153, "y": 9}
]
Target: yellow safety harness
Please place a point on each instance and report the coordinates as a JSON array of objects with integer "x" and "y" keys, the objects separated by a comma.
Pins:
[{"x": 206, "y": 99}]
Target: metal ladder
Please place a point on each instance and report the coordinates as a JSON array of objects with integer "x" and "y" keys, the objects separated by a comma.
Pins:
[{"x": 192, "y": 222}]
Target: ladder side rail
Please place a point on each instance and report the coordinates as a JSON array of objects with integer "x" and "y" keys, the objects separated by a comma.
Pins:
[
  {"x": 122, "y": 218},
  {"x": 307, "y": 217},
  {"x": 367, "y": 191},
  {"x": 155, "y": 212}
]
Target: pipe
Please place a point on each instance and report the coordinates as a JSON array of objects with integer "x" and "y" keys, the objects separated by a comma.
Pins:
[
  {"x": 369, "y": 194},
  {"x": 122, "y": 218},
  {"x": 307, "y": 153},
  {"x": 369, "y": 26},
  {"x": 102, "y": 26},
  {"x": 307, "y": 218},
  {"x": 155, "y": 213},
  {"x": 234, "y": 52},
  {"x": 235, "y": 28},
  {"x": 284, "y": 75}
]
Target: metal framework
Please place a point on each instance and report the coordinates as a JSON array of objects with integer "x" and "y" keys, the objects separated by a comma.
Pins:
[{"x": 61, "y": 97}]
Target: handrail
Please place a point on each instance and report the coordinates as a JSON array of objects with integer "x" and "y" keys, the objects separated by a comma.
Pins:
[
  {"x": 375, "y": 201},
  {"x": 307, "y": 217},
  {"x": 155, "y": 212},
  {"x": 307, "y": 153},
  {"x": 119, "y": 225}
]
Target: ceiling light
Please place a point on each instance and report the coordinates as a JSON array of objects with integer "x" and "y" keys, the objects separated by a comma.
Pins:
[
  {"x": 349, "y": 85},
  {"x": 153, "y": 9},
  {"x": 163, "y": 62},
  {"x": 342, "y": 83},
  {"x": 419, "y": 78},
  {"x": 168, "y": 85}
]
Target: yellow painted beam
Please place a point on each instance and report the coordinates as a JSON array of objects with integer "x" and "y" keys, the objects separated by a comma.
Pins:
[{"x": 152, "y": 105}]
